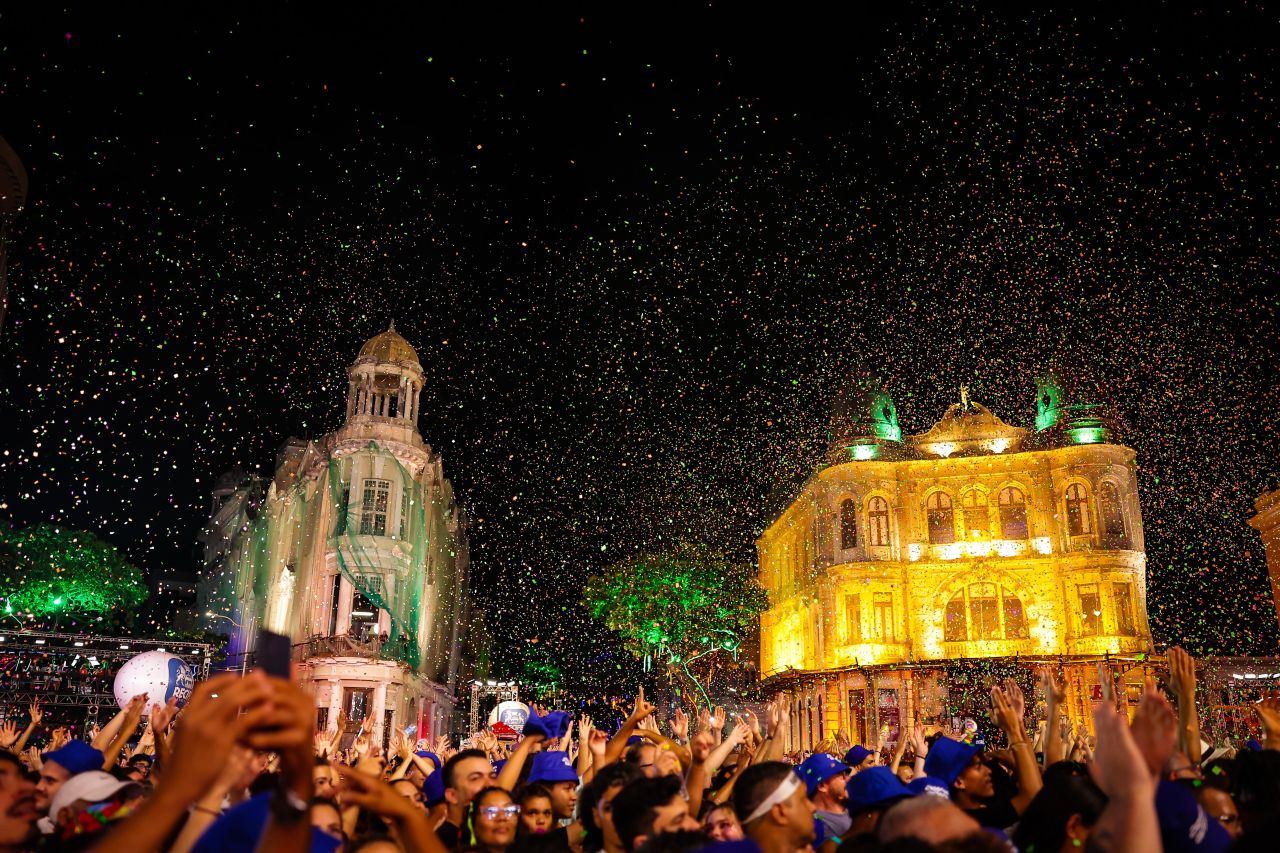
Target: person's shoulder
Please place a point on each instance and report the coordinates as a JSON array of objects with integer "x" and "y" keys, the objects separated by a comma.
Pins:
[{"x": 746, "y": 845}]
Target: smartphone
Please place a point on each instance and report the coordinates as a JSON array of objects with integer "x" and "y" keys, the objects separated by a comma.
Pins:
[{"x": 273, "y": 653}]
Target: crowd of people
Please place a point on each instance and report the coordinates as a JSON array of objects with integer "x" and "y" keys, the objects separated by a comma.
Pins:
[{"x": 241, "y": 767}]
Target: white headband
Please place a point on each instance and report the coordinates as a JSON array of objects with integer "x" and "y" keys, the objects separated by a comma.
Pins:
[{"x": 784, "y": 790}]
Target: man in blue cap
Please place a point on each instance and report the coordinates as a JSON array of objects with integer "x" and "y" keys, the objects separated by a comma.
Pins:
[
  {"x": 870, "y": 793},
  {"x": 859, "y": 757},
  {"x": 556, "y": 773},
  {"x": 60, "y": 765},
  {"x": 825, "y": 780}
]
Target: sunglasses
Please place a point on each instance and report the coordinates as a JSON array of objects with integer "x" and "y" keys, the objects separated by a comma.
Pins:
[{"x": 492, "y": 812}]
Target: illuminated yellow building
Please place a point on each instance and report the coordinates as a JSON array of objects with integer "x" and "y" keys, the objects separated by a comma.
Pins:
[{"x": 905, "y": 559}]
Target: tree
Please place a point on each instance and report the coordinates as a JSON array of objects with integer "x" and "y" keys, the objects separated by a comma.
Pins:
[
  {"x": 677, "y": 607},
  {"x": 49, "y": 571}
]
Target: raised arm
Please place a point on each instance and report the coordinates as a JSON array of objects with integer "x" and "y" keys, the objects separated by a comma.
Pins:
[
  {"x": 618, "y": 743},
  {"x": 1007, "y": 707},
  {"x": 510, "y": 774},
  {"x": 1054, "y": 695},
  {"x": 1182, "y": 680}
]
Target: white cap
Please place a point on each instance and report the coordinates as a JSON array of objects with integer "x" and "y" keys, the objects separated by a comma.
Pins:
[{"x": 92, "y": 786}]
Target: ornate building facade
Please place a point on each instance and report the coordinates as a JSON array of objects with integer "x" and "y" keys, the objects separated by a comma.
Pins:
[
  {"x": 357, "y": 550},
  {"x": 1267, "y": 523},
  {"x": 909, "y": 572}
]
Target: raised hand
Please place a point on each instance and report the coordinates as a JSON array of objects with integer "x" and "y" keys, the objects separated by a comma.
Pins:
[
  {"x": 1053, "y": 691},
  {"x": 700, "y": 747},
  {"x": 718, "y": 719},
  {"x": 1016, "y": 699},
  {"x": 754, "y": 722},
  {"x": 642, "y": 708},
  {"x": 1182, "y": 674},
  {"x": 1002, "y": 713},
  {"x": 918, "y": 743},
  {"x": 162, "y": 715},
  {"x": 680, "y": 725},
  {"x": 597, "y": 743},
  {"x": 36, "y": 713},
  {"x": 1268, "y": 713},
  {"x": 8, "y": 734},
  {"x": 1154, "y": 728}
]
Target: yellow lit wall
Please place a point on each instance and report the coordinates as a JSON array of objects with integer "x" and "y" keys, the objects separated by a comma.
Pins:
[{"x": 1072, "y": 583}]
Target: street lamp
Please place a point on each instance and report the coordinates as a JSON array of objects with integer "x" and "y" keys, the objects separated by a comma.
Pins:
[{"x": 245, "y": 634}]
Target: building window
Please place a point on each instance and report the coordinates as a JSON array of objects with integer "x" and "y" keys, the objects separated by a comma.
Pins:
[
  {"x": 1090, "y": 610},
  {"x": 1013, "y": 514},
  {"x": 373, "y": 509},
  {"x": 956, "y": 629},
  {"x": 1079, "y": 522},
  {"x": 343, "y": 510},
  {"x": 878, "y": 522},
  {"x": 942, "y": 529},
  {"x": 1122, "y": 594},
  {"x": 853, "y": 618},
  {"x": 1015, "y": 618},
  {"x": 848, "y": 524},
  {"x": 984, "y": 611},
  {"x": 1112, "y": 512},
  {"x": 977, "y": 523},
  {"x": 883, "y": 616},
  {"x": 334, "y": 600},
  {"x": 404, "y": 513}
]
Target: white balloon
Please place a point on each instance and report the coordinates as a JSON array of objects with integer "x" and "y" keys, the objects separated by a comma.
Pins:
[{"x": 158, "y": 674}]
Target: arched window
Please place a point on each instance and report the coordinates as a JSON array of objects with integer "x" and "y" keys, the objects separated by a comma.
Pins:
[
  {"x": 1112, "y": 511},
  {"x": 984, "y": 611},
  {"x": 977, "y": 523},
  {"x": 1013, "y": 514},
  {"x": 878, "y": 522},
  {"x": 848, "y": 524},
  {"x": 1079, "y": 520},
  {"x": 941, "y": 518}
]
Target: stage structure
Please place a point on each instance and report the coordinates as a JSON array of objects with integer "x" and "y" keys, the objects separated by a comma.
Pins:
[
  {"x": 355, "y": 548},
  {"x": 911, "y": 571},
  {"x": 71, "y": 675}
]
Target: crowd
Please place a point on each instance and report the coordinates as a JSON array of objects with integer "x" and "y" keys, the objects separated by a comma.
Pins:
[{"x": 241, "y": 767}]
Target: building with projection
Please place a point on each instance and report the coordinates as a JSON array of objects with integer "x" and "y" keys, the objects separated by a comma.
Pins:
[
  {"x": 910, "y": 571},
  {"x": 357, "y": 550}
]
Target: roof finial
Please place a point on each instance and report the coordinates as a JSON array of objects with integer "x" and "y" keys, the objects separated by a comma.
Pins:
[
  {"x": 964, "y": 398},
  {"x": 391, "y": 327}
]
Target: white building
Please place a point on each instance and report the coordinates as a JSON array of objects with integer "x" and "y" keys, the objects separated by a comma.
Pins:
[{"x": 355, "y": 549}]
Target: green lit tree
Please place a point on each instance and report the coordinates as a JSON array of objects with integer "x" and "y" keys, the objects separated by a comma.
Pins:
[
  {"x": 678, "y": 607},
  {"x": 49, "y": 571}
]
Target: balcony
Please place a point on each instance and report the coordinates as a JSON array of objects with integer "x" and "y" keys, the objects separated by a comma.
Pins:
[
  {"x": 1040, "y": 546},
  {"x": 344, "y": 645}
]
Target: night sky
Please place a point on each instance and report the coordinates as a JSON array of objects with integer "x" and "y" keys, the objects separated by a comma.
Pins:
[{"x": 638, "y": 257}]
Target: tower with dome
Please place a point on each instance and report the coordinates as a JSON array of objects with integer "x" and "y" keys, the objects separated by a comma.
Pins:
[
  {"x": 911, "y": 571},
  {"x": 357, "y": 550}
]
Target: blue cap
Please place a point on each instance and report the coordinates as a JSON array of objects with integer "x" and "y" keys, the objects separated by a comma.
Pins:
[
  {"x": 433, "y": 788},
  {"x": 818, "y": 768},
  {"x": 1253, "y": 745},
  {"x": 552, "y": 767},
  {"x": 76, "y": 757},
  {"x": 554, "y": 724},
  {"x": 241, "y": 826},
  {"x": 1184, "y": 826},
  {"x": 947, "y": 758},
  {"x": 856, "y": 755},
  {"x": 929, "y": 785},
  {"x": 874, "y": 787},
  {"x": 435, "y": 759}
]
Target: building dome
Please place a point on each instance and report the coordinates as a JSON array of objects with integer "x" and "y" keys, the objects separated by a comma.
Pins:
[{"x": 390, "y": 346}]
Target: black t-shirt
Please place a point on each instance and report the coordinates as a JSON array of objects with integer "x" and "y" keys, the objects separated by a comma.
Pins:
[
  {"x": 555, "y": 841},
  {"x": 999, "y": 813},
  {"x": 448, "y": 834}
]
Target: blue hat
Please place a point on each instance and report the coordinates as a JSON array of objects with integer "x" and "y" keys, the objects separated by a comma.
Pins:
[
  {"x": 433, "y": 788},
  {"x": 241, "y": 826},
  {"x": 856, "y": 755},
  {"x": 76, "y": 757},
  {"x": 552, "y": 767},
  {"x": 874, "y": 787},
  {"x": 947, "y": 758},
  {"x": 1184, "y": 826},
  {"x": 435, "y": 759},
  {"x": 554, "y": 724},
  {"x": 1253, "y": 745},
  {"x": 818, "y": 768},
  {"x": 929, "y": 785}
]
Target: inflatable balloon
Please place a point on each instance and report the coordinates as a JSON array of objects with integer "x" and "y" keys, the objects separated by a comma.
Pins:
[{"x": 160, "y": 675}]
